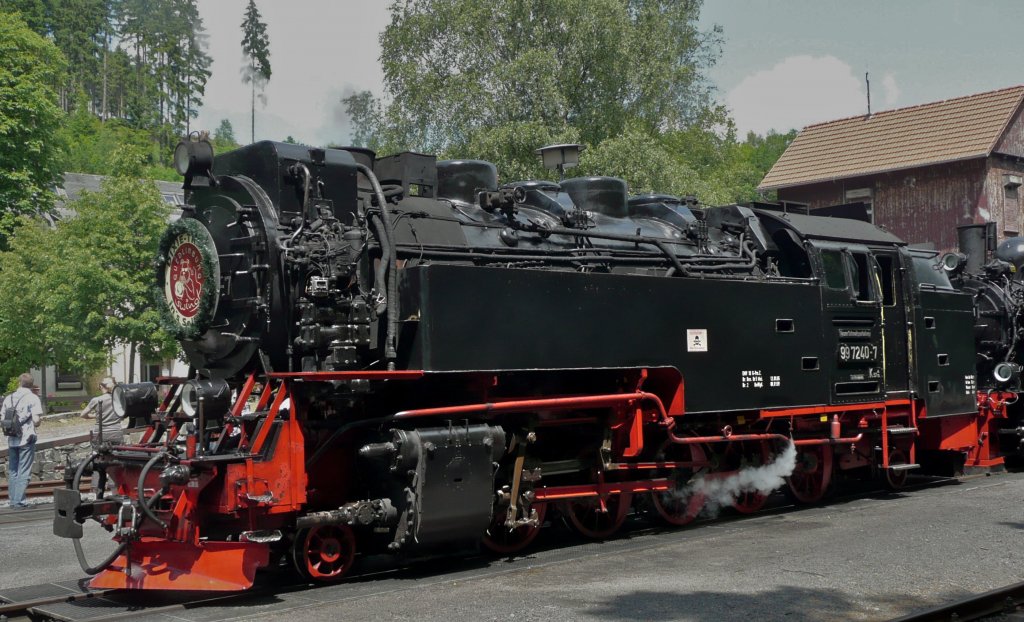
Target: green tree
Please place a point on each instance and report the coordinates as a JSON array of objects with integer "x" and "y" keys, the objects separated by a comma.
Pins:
[
  {"x": 190, "y": 64},
  {"x": 763, "y": 151},
  {"x": 455, "y": 67},
  {"x": 142, "y": 62},
  {"x": 224, "y": 137},
  {"x": 364, "y": 113},
  {"x": 512, "y": 146},
  {"x": 30, "y": 321},
  {"x": 256, "y": 47},
  {"x": 79, "y": 29},
  {"x": 108, "y": 248},
  {"x": 95, "y": 143},
  {"x": 29, "y": 117},
  {"x": 498, "y": 79},
  {"x": 33, "y": 12},
  {"x": 69, "y": 294},
  {"x": 648, "y": 164}
]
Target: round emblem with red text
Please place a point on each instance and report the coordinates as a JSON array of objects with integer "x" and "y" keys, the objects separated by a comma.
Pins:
[
  {"x": 189, "y": 278},
  {"x": 185, "y": 277}
]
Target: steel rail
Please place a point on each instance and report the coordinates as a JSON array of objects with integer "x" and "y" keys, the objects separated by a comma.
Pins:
[
  {"x": 23, "y": 608},
  {"x": 998, "y": 601},
  {"x": 40, "y": 488}
]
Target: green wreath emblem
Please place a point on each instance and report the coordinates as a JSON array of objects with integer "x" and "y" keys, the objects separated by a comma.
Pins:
[{"x": 187, "y": 279}]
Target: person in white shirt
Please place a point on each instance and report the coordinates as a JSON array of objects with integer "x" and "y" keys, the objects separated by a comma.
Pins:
[{"x": 22, "y": 448}]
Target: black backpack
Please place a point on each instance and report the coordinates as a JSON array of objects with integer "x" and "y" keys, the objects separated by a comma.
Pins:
[{"x": 10, "y": 422}]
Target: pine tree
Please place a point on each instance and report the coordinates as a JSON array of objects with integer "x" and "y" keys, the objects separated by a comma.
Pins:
[
  {"x": 29, "y": 118},
  {"x": 256, "y": 46}
]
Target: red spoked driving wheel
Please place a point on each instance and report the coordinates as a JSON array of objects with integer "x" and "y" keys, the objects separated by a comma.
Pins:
[
  {"x": 679, "y": 505},
  {"x": 749, "y": 502},
  {"x": 324, "y": 553},
  {"x": 586, "y": 516},
  {"x": 809, "y": 482}
]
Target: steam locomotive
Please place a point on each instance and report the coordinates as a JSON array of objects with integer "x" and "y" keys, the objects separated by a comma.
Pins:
[{"x": 399, "y": 355}]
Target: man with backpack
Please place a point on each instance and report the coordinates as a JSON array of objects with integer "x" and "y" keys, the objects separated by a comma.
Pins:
[{"x": 19, "y": 416}]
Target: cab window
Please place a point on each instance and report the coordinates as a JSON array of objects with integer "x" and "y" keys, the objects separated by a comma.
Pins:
[
  {"x": 835, "y": 275},
  {"x": 887, "y": 279},
  {"x": 860, "y": 271}
]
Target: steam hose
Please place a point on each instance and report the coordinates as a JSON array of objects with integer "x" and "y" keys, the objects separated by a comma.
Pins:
[
  {"x": 385, "y": 253},
  {"x": 145, "y": 504},
  {"x": 141, "y": 490},
  {"x": 86, "y": 568},
  {"x": 390, "y": 350}
]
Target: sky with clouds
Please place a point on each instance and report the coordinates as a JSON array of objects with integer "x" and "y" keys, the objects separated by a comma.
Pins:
[{"x": 785, "y": 63}]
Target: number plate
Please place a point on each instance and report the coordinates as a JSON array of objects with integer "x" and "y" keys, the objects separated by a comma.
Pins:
[{"x": 857, "y": 353}]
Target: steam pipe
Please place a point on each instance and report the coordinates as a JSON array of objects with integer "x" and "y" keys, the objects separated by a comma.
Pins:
[
  {"x": 305, "y": 199},
  {"x": 682, "y": 265},
  {"x": 141, "y": 490},
  {"x": 380, "y": 278},
  {"x": 694, "y": 440},
  {"x": 746, "y": 265},
  {"x": 828, "y": 441},
  {"x": 553, "y": 403},
  {"x": 390, "y": 350},
  {"x": 637, "y": 239}
]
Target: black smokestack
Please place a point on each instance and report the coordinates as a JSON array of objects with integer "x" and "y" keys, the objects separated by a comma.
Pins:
[{"x": 976, "y": 241}]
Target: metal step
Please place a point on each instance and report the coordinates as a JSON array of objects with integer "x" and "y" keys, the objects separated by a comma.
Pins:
[{"x": 904, "y": 467}]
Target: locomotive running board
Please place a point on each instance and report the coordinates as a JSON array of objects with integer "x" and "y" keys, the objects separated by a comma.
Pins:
[{"x": 163, "y": 565}]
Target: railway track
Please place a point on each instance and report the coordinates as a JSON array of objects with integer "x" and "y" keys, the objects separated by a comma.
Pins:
[
  {"x": 278, "y": 593},
  {"x": 24, "y": 610},
  {"x": 112, "y": 605},
  {"x": 990, "y": 605},
  {"x": 42, "y": 488},
  {"x": 122, "y": 605}
]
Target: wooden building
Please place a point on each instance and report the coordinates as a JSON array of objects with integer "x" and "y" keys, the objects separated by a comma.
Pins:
[{"x": 920, "y": 171}]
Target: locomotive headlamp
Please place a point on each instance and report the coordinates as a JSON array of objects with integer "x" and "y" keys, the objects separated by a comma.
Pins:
[
  {"x": 1007, "y": 374},
  {"x": 134, "y": 400},
  {"x": 953, "y": 262},
  {"x": 193, "y": 156},
  {"x": 216, "y": 396},
  {"x": 560, "y": 157}
]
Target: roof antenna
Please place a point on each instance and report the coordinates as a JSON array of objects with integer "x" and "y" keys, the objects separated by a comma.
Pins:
[{"x": 868, "y": 82}]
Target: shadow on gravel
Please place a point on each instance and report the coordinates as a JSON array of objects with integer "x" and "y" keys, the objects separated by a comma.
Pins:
[
  {"x": 1011, "y": 524},
  {"x": 785, "y": 603}
]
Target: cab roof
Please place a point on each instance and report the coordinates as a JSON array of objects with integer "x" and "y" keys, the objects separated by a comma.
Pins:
[{"x": 832, "y": 228}]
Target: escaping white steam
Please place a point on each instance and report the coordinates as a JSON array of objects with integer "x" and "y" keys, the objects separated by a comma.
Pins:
[{"x": 722, "y": 492}]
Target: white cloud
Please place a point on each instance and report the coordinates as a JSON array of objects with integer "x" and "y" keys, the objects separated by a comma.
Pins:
[
  {"x": 797, "y": 92},
  {"x": 891, "y": 90}
]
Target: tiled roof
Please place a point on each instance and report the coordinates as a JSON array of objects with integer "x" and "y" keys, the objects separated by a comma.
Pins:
[{"x": 945, "y": 131}]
